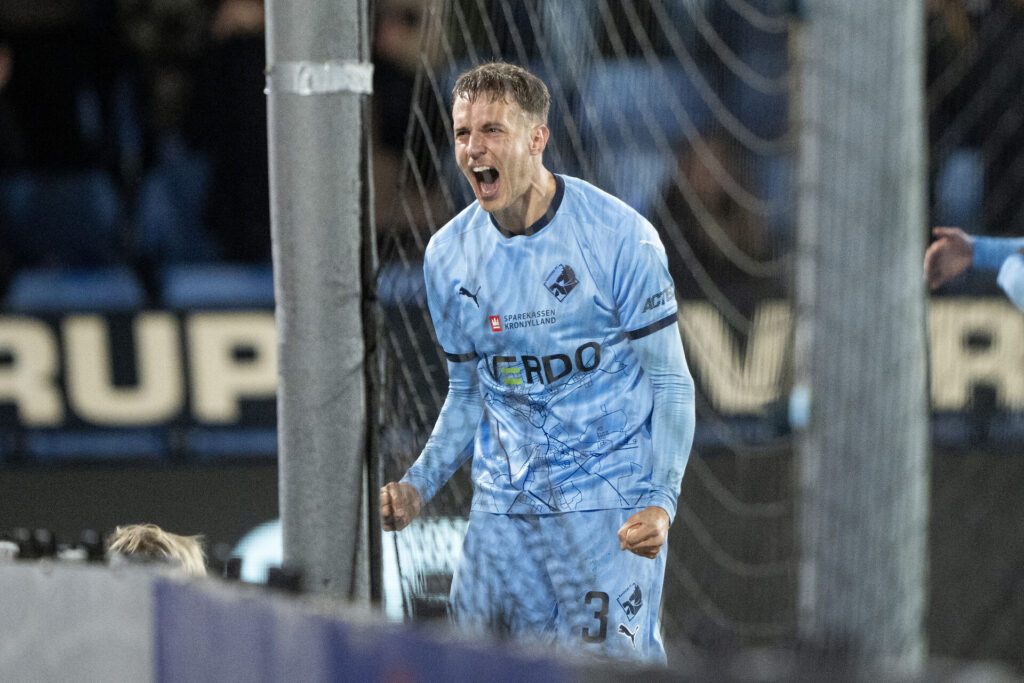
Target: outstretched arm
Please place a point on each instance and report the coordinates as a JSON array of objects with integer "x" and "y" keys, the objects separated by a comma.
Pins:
[
  {"x": 950, "y": 254},
  {"x": 1011, "y": 278},
  {"x": 672, "y": 423},
  {"x": 446, "y": 450}
]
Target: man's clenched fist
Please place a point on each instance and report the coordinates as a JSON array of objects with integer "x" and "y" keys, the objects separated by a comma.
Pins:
[{"x": 399, "y": 505}]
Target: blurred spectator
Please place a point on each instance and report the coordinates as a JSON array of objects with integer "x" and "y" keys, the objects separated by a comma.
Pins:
[
  {"x": 975, "y": 78},
  {"x": 164, "y": 41},
  {"x": 229, "y": 125},
  {"x": 720, "y": 245},
  {"x": 59, "y": 82},
  {"x": 150, "y": 542},
  {"x": 59, "y": 203},
  {"x": 10, "y": 143},
  {"x": 9, "y": 149},
  {"x": 399, "y": 26},
  {"x": 398, "y": 51}
]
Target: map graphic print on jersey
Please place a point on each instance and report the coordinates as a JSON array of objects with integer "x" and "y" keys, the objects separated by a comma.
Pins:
[{"x": 547, "y": 318}]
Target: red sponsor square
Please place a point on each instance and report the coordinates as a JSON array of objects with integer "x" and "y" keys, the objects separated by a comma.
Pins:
[{"x": 495, "y": 323}]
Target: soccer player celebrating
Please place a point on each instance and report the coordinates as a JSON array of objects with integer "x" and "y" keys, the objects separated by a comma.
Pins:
[{"x": 553, "y": 303}]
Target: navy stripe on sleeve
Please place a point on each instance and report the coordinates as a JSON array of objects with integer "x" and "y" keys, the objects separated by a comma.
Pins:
[
  {"x": 653, "y": 327},
  {"x": 460, "y": 357}
]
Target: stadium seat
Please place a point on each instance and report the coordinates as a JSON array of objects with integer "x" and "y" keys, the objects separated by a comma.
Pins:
[
  {"x": 212, "y": 443},
  {"x": 217, "y": 285},
  {"x": 959, "y": 188},
  {"x": 169, "y": 211},
  {"x": 69, "y": 218},
  {"x": 53, "y": 290},
  {"x": 628, "y": 104},
  {"x": 65, "y": 445},
  {"x": 637, "y": 176}
]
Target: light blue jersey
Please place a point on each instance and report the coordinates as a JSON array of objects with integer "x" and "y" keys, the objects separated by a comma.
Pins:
[{"x": 547, "y": 318}]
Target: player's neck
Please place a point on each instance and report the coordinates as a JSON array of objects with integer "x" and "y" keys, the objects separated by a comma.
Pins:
[{"x": 531, "y": 207}]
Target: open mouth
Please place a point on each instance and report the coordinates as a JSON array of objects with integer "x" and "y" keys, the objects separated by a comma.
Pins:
[{"x": 486, "y": 180}]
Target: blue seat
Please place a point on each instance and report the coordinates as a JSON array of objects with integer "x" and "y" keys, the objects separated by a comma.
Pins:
[
  {"x": 53, "y": 445},
  {"x": 629, "y": 104},
  {"x": 638, "y": 176},
  {"x": 959, "y": 188},
  {"x": 763, "y": 112},
  {"x": 75, "y": 289},
  {"x": 169, "y": 210},
  {"x": 69, "y": 218},
  {"x": 211, "y": 443},
  {"x": 220, "y": 285}
]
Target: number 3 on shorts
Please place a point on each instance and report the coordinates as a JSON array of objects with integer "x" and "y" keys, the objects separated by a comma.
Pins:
[{"x": 601, "y": 614}]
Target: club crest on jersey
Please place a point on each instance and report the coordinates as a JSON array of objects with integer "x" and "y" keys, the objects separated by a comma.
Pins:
[
  {"x": 561, "y": 281},
  {"x": 631, "y": 600},
  {"x": 495, "y": 323}
]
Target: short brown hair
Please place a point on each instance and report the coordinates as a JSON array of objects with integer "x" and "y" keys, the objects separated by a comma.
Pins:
[{"x": 503, "y": 80}]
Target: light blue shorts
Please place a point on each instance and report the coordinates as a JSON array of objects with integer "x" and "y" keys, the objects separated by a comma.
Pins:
[{"x": 560, "y": 578}]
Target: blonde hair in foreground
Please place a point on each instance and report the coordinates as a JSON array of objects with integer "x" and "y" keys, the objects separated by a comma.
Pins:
[{"x": 151, "y": 541}]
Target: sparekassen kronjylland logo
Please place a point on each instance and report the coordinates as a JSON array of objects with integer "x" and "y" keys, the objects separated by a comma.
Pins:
[{"x": 513, "y": 321}]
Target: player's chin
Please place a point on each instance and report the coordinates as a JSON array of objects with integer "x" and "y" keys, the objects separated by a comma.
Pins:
[{"x": 488, "y": 202}]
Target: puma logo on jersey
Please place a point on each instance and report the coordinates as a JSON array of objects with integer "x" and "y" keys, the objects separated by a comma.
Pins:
[
  {"x": 629, "y": 634},
  {"x": 472, "y": 295}
]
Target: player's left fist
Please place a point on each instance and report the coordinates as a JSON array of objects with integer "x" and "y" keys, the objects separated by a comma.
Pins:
[{"x": 645, "y": 532}]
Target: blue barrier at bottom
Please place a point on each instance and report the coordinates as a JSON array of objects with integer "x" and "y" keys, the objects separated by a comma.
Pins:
[{"x": 216, "y": 634}]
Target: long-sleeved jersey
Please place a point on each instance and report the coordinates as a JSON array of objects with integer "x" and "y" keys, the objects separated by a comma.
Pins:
[{"x": 551, "y": 322}]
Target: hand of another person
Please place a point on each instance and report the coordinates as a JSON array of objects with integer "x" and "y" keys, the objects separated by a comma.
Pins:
[
  {"x": 399, "y": 505},
  {"x": 949, "y": 255},
  {"x": 645, "y": 532}
]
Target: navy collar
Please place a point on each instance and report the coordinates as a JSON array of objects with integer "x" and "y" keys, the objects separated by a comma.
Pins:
[{"x": 548, "y": 215}]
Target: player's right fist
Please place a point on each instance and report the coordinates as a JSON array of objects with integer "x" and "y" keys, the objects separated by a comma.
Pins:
[{"x": 399, "y": 505}]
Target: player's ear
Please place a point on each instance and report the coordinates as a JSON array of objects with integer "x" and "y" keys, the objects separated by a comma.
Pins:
[{"x": 539, "y": 135}]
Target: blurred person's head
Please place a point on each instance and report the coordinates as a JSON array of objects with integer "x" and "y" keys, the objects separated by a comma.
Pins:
[
  {"x": 150, "y": 542},
  {"x": 235, "y": 18},
  {"x": 399, "y": 26},
  {"x": 6, "y": 62},
  {"x": 163, "y": 32},
  {"x": 712, "y": 171}
]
